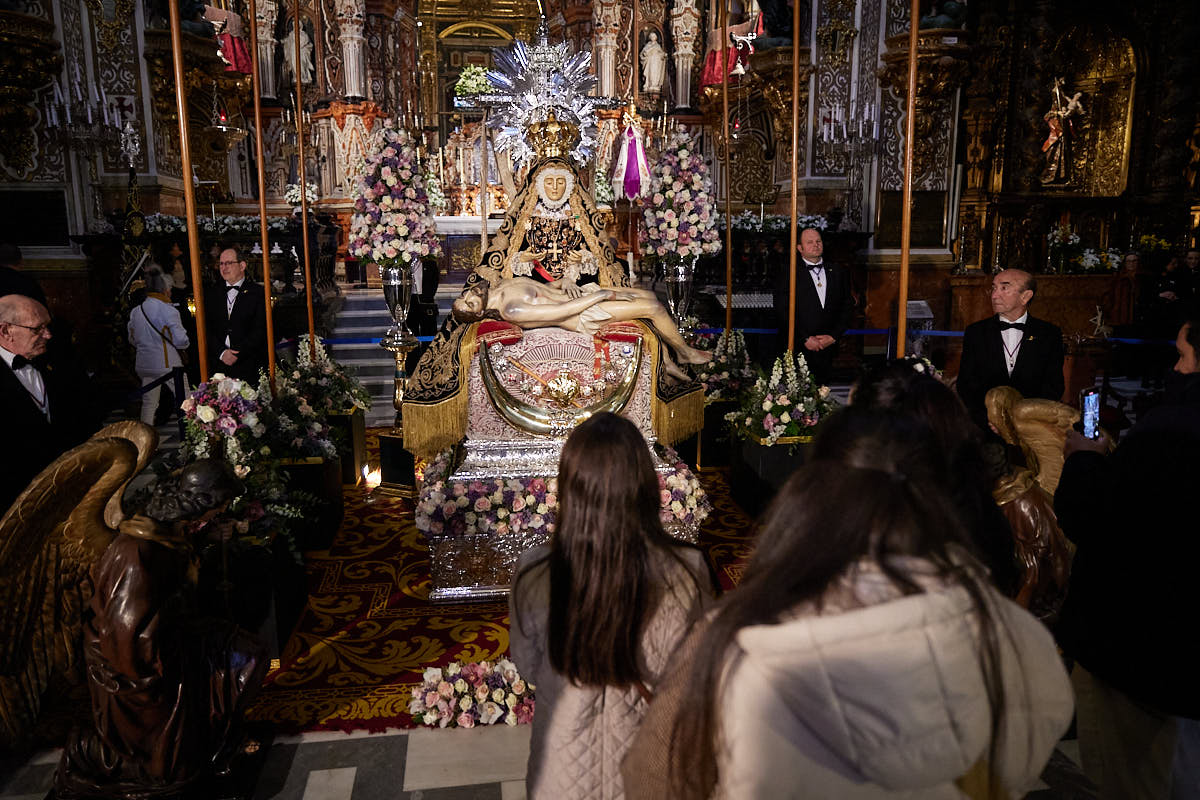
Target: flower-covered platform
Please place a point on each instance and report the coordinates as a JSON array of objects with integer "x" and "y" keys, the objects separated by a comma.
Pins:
[{"x": 369, "y": 632}]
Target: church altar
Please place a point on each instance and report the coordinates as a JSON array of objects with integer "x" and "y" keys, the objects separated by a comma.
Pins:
[{"x": 484, "y": 502}]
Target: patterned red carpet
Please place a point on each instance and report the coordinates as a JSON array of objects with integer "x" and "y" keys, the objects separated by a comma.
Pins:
[{"x": 369, "y": 630}]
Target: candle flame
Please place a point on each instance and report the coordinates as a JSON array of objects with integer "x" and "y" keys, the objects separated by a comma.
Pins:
[{"x": 372, "y": 478}]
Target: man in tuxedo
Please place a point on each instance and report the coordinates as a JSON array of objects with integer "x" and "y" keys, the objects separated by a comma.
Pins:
[
  {"x": 1011, "y": 348},
  {"x": 237, "y": 321},
  {"x": 823, "y": 306},
  {"x": 41, "y": 410}
]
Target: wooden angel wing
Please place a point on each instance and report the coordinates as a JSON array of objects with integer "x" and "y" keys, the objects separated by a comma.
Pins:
[
  {"x": 145, "y": 439},
  {"x": 1042, "y": 427},
  {"x": 49, "y": 539}
]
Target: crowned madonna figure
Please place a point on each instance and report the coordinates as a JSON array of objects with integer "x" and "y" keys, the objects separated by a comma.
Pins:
[{"x": 552, "y": 232}]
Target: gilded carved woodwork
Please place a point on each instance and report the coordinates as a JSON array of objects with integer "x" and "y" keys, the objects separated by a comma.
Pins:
[
  {"x": 1100, "y": 63},
  {"x": 942, "y": 63},
  {"x": 29, "y": 58},
  {"x": 110, "y": 17}
]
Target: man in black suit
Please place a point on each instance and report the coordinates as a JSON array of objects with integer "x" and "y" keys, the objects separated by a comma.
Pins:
[
  {"x": 823, "y": 306},
  {"x": 41, "y": 410},
  {"x": 237, "y": 321},
  {"x": 1010, "y": 348}
]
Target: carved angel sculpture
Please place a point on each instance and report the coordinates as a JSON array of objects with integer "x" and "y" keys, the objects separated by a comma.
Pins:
[
  {"x": 49, "y": 539},
  {"x": 1038, "y": 427}
]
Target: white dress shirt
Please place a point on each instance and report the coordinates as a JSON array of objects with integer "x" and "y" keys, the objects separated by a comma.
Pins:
[
  {"x": 31, "y": 379},
  {"x": 817, "y": 273},
  {"x": 1012, "y": 340},
  {"x": 230, "y": 299}
]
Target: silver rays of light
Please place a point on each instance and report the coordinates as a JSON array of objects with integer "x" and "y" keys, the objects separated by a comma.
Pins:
[{"x": 530, "y": 82}]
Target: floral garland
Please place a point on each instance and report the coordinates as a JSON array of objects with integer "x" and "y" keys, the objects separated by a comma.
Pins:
[
  {"x": 680, "y": 218},
  {"x": 292, "y": 193},
  {"x": 391, "y": 222},
  {"x": 472, "y": 81},
  {"x": 221, "y": 225},
  {"x": 788, "y": 403},
  {"x": 730, "y": 372},
  {"x": 476, "y": 693},
  {"x": 499, "y": 506},
  {"x": 773, "y": 223}
]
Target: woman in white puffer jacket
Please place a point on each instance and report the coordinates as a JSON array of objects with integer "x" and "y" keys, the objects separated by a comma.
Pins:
[{"x": 864, "y": 655}]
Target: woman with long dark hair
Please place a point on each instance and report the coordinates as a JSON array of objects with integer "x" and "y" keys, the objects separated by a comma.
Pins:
[
  {"x": 597, "y": 613},
  {"x": 907, "y": 387},
  {"x": 864, "y": 654}
]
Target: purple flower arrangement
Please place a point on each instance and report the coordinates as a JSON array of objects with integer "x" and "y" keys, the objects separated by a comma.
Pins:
[
  {"x": 680, "y": 215},
  {"x": 476, "y": 693},
  {"x": 787, "y": 404},
  {"x": 391, "y": 220}
]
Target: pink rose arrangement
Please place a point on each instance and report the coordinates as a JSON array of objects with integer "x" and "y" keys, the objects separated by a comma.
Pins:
[
  {"x": 391, "y": 221},
  {"x": 475, "y": 693},
  {"x": 680, "y": 214},
  {"x": 224, "y": 411},
  {"x": 512, "y": 505},
  {"x": 730, "y": 372}
]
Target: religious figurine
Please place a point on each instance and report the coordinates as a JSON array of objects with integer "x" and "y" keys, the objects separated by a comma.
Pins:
[
  {"x": 50, "y": 538},
  {"x": 631, "y": 176},
  {"x": 654, "y": 65},
  {"x": 168, "y": 685},
  {"x": 306, "y": 55},
  {"x": 552, "y": 231},
  {"x": 529, "y": 304},
  {"x": 1057, "y": 147}
]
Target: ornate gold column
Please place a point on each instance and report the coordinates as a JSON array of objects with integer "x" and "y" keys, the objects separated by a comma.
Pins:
[{"x": 31, "y": 60}]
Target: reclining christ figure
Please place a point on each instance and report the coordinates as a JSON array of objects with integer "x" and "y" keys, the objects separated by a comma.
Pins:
[{"x": 529, "y": 304}]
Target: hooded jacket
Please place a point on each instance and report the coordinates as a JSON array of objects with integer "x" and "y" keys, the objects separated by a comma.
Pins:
[{"x": 888, "y": 701}]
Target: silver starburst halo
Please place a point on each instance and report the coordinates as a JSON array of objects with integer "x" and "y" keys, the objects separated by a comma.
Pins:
[{"x": 533, "y": 83}]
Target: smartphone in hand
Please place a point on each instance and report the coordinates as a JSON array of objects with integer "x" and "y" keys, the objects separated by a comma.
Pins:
[{"x": 1089, "y": 404}]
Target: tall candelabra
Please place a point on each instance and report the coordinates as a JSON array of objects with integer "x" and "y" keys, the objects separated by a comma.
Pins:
[
  {"x": 849, "y": 136},
  {"x": 78, "y": 114}
]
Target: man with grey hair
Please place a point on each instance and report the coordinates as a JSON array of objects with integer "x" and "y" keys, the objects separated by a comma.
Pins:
[
  {"x": 1010, "y": 348},
  {"x": 157, "y": 335},
  {"x": 39, "y": 413}
]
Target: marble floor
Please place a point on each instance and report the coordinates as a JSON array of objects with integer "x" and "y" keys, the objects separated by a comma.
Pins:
[{"x": 433, "y": 765}]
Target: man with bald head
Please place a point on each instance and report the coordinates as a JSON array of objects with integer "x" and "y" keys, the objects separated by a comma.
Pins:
[
  {"x": 1010, "y": 348},
  {"x": 40, "y": 418}
]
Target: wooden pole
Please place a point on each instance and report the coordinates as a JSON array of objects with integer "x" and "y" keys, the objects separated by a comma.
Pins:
[
  {"x": 906, "y": 210},
  {"x": 483, "y": 161},
  {"x": 728, "y": 174},
  {"x": 262, "y": 192},
  {"x": 308, "y": 284},
  {"x": 791, "y": 328},
  {"x": 189, "y": 189}
]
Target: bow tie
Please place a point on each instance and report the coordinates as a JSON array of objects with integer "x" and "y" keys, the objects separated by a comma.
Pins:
[
  {"x": 20, "y": 362},
  {"x": 815, "y": 267},
  {"x": 229, "y": 287},
  {"x": 1020, "y": 326}
]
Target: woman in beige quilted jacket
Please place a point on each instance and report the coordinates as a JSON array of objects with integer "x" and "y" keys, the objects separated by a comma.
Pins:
[
  {"x": 597, "y": 614},
  {"x": 865, "y": 655}
]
